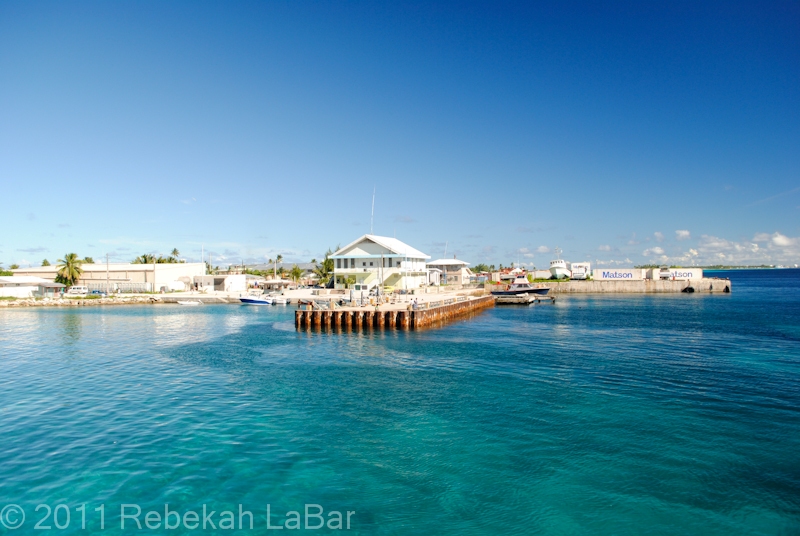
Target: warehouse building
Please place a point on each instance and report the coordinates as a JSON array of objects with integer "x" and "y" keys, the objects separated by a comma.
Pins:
[{"x": 128, "y": 277}]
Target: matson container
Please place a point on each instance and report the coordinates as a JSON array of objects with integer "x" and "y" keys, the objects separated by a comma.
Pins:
[
  {"x": 618, "y": 274},
  {"x": 685, "y": 274}
]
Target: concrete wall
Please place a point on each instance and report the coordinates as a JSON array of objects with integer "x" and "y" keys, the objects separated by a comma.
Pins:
[
  {"x": 638, "y": 287},
  {"x": 18, "y": 291}
]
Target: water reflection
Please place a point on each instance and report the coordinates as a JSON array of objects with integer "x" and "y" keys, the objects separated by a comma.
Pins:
[{"x": 71, "y": 326}]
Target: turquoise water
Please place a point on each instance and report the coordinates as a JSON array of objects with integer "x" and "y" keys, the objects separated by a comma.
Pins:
[{"x": 600, "y": 414}]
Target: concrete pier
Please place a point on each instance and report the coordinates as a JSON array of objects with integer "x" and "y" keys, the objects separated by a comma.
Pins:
[
  {"x": 427, "y": 315},
  {"x": 645, "y": 286}
]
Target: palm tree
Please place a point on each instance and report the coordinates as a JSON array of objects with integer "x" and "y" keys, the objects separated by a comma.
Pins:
[
  {"x": 88, "y": 260},
  {"x": 45, "y": 263},
  {"x": 145, "y": 259},
  {"x": 296, "y": 273},
  {"x": 14, "y": 266},
  {"x": 69, "y": 269},
  {"x": 175, "y": 254},
  {"x": 278, "y": 259},
  {"x": 325, "y": 269}
]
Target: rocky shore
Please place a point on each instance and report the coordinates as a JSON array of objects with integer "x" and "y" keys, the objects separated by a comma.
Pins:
[{"x": 78, "y": 302}]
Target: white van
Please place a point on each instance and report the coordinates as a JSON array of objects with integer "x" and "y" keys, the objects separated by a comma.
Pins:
[{"x": 77, "y": 290}]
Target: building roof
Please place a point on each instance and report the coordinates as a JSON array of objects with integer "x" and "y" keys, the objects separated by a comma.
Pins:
[
  {"x": 112, "y": 267},
  {"x": 448, "y": 262},
  {"x": 392, "y": 244},
  {"x": 22, "y": 280}
]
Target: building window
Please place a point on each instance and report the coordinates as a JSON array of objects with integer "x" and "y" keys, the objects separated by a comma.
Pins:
[
  {"x": 363, "y": 263},
  {"x": 390, "y": 262},
  {"x": 338, "y": 263},
  {"x": 352, "y": 263},
  {"x": 370, "y": 263}
]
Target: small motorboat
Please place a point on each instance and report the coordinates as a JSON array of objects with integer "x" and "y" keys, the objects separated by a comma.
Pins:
[
  {"x": 280, "y": 300},
  {"x": 521, "y": 286},
  {"x": 255, "y": 300},
  {"x": 188, "y": 302}
]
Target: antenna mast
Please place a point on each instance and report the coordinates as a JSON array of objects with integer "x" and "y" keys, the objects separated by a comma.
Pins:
[{"x": 372, "y": 216}]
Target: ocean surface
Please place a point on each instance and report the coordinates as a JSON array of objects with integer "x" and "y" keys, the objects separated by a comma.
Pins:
[{"x": 668, "y": 414}]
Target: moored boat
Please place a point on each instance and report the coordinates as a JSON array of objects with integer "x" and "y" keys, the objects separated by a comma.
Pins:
[
  {"x": 520, "y": 286},
  {"x": 256, "y": 298}
]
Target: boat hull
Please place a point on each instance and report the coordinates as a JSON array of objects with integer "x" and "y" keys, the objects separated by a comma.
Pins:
[
  {"x": 540, "y": 291},
  {"x": 559, "y": 272},
  {"x": 255, "y": 301}
]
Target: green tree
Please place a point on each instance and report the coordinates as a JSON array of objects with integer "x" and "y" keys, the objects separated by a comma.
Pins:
[
  {"x": 281, "y": 272},
  {"x": 175, "y": 254},
  {"x": 88, "y": 260},
  {"x": 69, "y": 269},
  {"x": 278, "y": 259},
  {"x": 209, "y": 270},
  {"x": 45, "y": 263},
  {"x": 145, "y": 259},
  {"x": 14, "y": 266},
  {"x": 480, "y": 268},
  {"x": 296, "y": 273},
  {"x": 324, "y": 270}
]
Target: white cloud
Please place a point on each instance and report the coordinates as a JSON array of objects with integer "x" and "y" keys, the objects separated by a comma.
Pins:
[
  {"x": 659, "y": 236},
  {"x": 614, "y": 262},
  {"x": 543, "y": 249},
  {"x": 604, "y": 247},
  {"x": 653, "y": 251},
  {"x": 764, "y": 248},
  {"x": 683, "y": 234},
  {"x": 783, "y": 241}
]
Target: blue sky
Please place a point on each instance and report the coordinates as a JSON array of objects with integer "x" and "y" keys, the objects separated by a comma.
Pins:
[{"x": 623, "y": 134}]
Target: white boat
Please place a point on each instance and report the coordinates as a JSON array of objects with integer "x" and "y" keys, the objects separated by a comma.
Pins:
[
  {"x": 256, "y": 299},
  {"x": 188, "y": 302},
  {"x": 558, "y": 267},
  {"x": 280, "y": 300},
  {"x": 521, "y": 286}
]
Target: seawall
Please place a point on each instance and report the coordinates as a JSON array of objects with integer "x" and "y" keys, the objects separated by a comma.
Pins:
[{"x": 645, "y": 286}]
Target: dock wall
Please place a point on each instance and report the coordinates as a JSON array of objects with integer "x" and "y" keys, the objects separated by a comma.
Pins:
[
  {"x": 645, "y": 286},
  {"x": 365, "y": 319}
]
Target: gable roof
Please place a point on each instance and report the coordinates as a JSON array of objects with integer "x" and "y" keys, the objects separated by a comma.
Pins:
[
  {"x": 448, "y": 262},
  {"x": 392, "y": 244}
]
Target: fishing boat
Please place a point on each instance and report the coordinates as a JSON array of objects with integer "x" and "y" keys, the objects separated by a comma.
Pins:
[
  {"x": 558, "y": 267},
  {"x": 521, "y": 286},
  {"x": 188, "y": 302}
]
